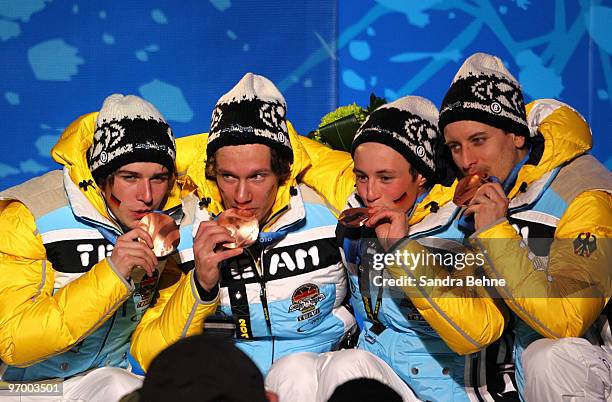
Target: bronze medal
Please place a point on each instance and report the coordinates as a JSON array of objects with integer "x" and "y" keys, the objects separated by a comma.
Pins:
[
  {"x": 163, "y": 231},
  {"x": 354, "y": 217},
  {"x": 242, "y": 226},
  {"x": 467, "y": 188}
]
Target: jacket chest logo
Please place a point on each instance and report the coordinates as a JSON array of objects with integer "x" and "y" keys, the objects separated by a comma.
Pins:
[
  {"x": 87, "y": 251},
  {"x": 77, "y": 256},
  {"x": 585, "y": 244},
  {"x": 240, "y": 269},
  {"x": 299, "y": 259},
  {"x": 305, "y": 299},
  {"x": 283, "y": 262}
]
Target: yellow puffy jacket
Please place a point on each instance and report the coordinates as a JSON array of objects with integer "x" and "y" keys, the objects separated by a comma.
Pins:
[
  {"x": 163, "y": 322},
  {"x": 559, "y": 294},
  {"x": 44, "y": 312},
  {"x": 331, "y": 174}
]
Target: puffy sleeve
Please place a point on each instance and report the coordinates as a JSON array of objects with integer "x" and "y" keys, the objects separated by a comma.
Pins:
[{"x": 35, "y": 321}]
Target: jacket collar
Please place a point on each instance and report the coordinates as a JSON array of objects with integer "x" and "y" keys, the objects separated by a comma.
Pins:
[{"x": 564, "y": 135}]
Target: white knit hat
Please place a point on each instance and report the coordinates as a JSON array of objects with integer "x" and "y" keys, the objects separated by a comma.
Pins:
[
  {"x": 251, "y": 112},
  {"x": 483, "y": 90},
  {"x": 129, "y": 129},
  {"x": 409, "y": 125}
]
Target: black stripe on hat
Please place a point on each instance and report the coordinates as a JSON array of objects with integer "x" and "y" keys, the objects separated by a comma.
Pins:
[
  {"x": 386, "y": 124},
  {"x": 121, "y": 142},
  {"x": 249, "y": 121},
  {"x": 489, "y": 99}
]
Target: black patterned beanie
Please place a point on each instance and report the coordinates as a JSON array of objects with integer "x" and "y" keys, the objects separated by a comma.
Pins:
[
  {"x": 129, "y": 129},
  {"x": 253, "y": 112},
  {"x": 483, "y": 90},
  {"x": 409, "y": 126}
]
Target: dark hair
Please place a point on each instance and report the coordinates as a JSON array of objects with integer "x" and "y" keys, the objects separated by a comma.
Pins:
[
  {"x": 527, "y": 143},
  {"x": 413, "y": 172},
  {"x": 280, "y": 165},
  {"x": 177, "y": 373},
  {"x": 364, "y": 389},
  {"x": 110, "y": 179}
]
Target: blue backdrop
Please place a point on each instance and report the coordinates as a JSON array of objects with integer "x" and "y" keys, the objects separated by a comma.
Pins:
[{"x": 60, "y": 58}]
